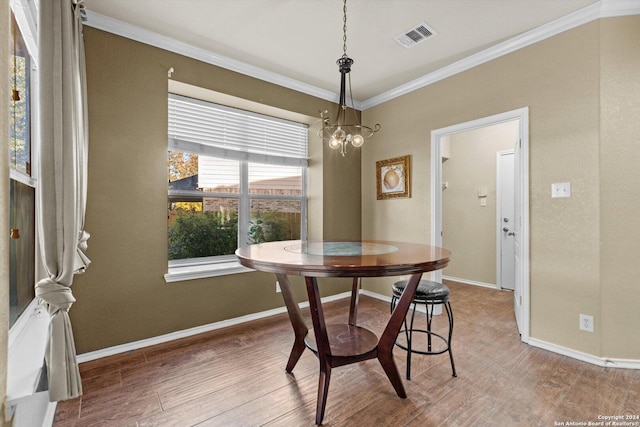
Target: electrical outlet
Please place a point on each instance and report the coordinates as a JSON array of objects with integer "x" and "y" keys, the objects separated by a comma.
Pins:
[
  {"x": 586, "y": 323},
  {"x": 278, "y": 290}
]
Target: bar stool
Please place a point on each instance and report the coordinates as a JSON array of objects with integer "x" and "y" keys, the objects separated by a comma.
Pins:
[{"x": 430, "y": 294}]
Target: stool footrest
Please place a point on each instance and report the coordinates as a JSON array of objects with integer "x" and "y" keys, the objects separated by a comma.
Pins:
[{"x": 413, "y": 350}]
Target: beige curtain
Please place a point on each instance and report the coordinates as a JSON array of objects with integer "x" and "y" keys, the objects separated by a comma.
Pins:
[{"x": 62, "y": 181}]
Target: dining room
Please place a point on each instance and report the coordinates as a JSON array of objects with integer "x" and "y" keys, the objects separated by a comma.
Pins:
[{"x": 176, "y": 340}]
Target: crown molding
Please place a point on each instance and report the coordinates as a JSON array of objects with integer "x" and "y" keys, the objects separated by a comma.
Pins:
[
  {"x": 120, "y": 28},
  {"x": 612, "y": 8},
  {"x": 600, "y": 9}
]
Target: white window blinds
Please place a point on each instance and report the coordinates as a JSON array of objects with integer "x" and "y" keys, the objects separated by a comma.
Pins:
[{"x": 215, "y": 130}]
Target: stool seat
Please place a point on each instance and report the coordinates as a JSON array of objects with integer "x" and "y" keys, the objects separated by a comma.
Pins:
[
  {"x": 427, "y": 290},
  {"x": 430, "y": 294}
]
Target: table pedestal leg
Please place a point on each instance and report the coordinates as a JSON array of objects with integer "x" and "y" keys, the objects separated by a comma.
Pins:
[
  {"x": 390, "y": 334},
  {"x": 323, "y": 390},
  {"x": 384, "y": 350},
  {"x": 322, "y": 343},
  {"x": 355, "y": 295},
  {"x": 300, "y": 327}
]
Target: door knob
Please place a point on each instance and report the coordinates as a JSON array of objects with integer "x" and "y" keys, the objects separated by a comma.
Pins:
[
  {"x": 15, "y": 233},
  {"x": 509, "y": 233}
]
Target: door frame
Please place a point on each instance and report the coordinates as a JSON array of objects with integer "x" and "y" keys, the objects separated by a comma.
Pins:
[
  {"x": 521, "y": 114},
  {"x": 499, "y": 222}
]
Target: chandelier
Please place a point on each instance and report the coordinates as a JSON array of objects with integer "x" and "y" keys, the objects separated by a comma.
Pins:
[{"x": 341, "y": 133}]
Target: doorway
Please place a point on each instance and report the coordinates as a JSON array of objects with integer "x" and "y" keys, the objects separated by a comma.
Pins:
[{"x": 520, "y": 222}]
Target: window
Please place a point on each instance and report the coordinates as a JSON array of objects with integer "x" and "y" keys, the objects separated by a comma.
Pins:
[
  {"x": 235, "y": 178},
  {"x": 22, "y": 184},
  {"x": 28, "y": 322}
]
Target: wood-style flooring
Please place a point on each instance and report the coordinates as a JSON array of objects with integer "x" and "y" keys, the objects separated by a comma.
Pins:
[{"x": 235, "y": 377}]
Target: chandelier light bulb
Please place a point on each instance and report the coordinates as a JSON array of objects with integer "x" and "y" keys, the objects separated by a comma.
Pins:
[
  {"x": 357, "y": 141},
  {"x": 334, "y": 143},
  {"x": 339, "y": 135}
]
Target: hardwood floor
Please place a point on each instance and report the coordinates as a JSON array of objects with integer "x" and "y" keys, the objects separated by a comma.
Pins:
[{"x": 236, "y": 377}]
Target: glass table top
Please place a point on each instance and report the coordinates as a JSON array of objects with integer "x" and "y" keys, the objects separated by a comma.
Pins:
[{"x": 341, "y": 248}]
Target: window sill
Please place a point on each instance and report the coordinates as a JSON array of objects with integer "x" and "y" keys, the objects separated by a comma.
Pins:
[{"x": 201, "y": 271}]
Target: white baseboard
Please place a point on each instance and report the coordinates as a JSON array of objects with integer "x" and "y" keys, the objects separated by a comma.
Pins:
[
  {"x": 375, "y": 295},
  {"x": 604, "y": 362},
  {"x": 110, "y": 351},
  {"x": 135, "y": 345},
  {"x": 471, "y": 282}
]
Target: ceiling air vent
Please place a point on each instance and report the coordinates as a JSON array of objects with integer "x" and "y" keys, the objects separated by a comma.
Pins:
[{"x": 415, "y": 35}]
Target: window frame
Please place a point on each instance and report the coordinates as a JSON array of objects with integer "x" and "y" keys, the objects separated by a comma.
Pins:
[
  {"x": 27, "y": 337},
  {"x": 203, "y": 267},
  {"x": 24, "y": 12}
]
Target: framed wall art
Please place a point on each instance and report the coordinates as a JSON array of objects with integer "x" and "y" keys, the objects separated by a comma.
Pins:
[{"x": 393, "y": 178}]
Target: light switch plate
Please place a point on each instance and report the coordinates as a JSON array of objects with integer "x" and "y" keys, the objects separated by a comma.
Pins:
[{"x": 561, "y": 189}]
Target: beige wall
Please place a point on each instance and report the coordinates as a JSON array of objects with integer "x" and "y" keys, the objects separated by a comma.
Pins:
[
  {"x": 123, "y": 296},
  {"x": 342, "y": 194},
  {"x": 5, "y": 38},
  {"x": 574, "y": 136},
  {"x": 465, "y": 223},
  {"x": 620, "y": 196}
]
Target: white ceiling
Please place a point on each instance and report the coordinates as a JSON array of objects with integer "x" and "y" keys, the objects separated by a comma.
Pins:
[{"x": 302, "y": 39}]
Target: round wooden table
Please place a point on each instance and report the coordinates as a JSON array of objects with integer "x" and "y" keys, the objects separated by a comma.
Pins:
[{"x": 338, "y": 345}]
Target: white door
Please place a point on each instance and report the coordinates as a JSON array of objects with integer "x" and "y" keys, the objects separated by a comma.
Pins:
[
  {"x": 505, "y": 220},
  {"x": 517, "y": 227}
]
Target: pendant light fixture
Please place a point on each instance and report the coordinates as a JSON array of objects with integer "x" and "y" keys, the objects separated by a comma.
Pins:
[{"x": 341, "y": 133}]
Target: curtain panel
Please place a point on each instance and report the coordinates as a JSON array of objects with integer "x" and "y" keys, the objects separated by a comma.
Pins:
[{"x": 62, "y": 181}]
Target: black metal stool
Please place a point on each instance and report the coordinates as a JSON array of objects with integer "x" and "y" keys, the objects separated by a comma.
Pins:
[{"x": 430, "y": 294}]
